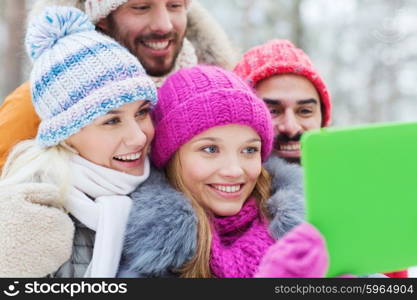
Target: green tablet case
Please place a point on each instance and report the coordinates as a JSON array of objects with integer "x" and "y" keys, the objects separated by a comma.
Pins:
[{"x": 361, "y": 193}]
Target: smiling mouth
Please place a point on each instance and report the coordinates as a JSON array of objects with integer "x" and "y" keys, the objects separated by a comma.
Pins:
[
  {"x": 156, "y": 45},
  {"x": 289, "y": 147},
  {"x": 128, "y": 158},
  {"x": 227, "y": 188}
]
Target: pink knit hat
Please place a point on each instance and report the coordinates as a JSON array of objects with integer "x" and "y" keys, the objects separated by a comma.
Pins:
[
  {"x": 281, "y": 57},
  {"x": 195, "y": 99}
]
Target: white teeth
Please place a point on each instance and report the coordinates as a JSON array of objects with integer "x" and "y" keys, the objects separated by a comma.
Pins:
[
  {"x": 157, "y": 45},
  {"x": 228, "y": 188},
  {"x": 292, "y": 147},
  {"x": 129, "y": 157}
]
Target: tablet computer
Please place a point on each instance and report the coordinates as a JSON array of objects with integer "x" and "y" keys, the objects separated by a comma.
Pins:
[{"x": 361, "y": 193}]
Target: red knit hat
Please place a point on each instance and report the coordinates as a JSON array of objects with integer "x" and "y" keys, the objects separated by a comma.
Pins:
[{"x": 281, "y": 57}]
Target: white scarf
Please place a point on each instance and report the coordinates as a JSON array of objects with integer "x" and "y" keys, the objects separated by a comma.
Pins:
[
  {"x": 106, "y": 211},
  {"x": 186, "y": 58}
]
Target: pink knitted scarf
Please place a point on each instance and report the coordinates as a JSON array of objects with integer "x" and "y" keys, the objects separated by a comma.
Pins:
[{"x": 239, "y": 242}]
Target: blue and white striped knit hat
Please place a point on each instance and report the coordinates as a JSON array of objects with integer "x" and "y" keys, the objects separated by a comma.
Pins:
[{"x": 78, "y": 73}]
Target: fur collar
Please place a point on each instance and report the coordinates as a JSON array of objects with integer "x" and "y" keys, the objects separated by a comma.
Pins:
[
  {"x": 209, "y": 40},
  {"x": 286, "y": 204},
  {"x": 161, "y": 232}
]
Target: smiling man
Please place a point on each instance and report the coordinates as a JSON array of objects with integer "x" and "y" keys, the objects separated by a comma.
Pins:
[
  {"x": 296, "y": 95},
  {"x": 165, "y": 35},
  {"x": 153, "y": 30}
]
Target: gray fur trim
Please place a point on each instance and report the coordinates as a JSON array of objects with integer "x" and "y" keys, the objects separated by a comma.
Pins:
[
  {"x": 161, "y": 233},
  {"x": 208, "y": 38},
  {"x": 286, "y": 204}
]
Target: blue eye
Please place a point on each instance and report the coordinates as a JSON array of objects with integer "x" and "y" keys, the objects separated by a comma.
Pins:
[
  {"x": 210, "y": 149},
  {"x": 250, "y": 150},
  {"x": 143, "y": 112}
]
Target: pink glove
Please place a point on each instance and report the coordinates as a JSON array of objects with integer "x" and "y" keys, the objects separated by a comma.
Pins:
[{"x": 300, "y": 253}]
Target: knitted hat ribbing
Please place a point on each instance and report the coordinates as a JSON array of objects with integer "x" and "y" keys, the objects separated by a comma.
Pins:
[
  {"x": 282, "y": 57},
  {"x": 78, "y": 74},
  {"x": 195, "y": 99},
  {"x": 100, "y": 9}
]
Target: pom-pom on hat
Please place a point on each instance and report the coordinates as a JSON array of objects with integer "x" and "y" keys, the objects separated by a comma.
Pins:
[
  {"x": 282, "y": 57},
  {"x": 78, "y": 74},
  {"x": 195, "y": 99}
]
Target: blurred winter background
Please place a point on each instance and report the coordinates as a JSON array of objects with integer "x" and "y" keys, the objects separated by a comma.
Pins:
[{"x": 365, "y": 49}]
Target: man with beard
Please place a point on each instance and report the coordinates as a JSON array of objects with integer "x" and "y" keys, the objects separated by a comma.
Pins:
[
  {"x": 165, "y": 35},
  {"x": 296, "y": 95}
]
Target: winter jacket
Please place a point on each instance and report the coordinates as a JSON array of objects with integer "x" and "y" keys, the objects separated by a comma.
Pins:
[
  {"x": 18, "y": 120},
  {"x": 52, "y": 243},
  {"x": 36, "y": 235},
  {"x": 82, "y": 253},
  {"x": 161, "y": 234}
]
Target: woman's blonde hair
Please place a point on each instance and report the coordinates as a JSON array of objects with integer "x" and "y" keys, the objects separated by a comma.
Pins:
[
  {"x": 30, "y": 163},
  {"x": 198, "y": 266}
]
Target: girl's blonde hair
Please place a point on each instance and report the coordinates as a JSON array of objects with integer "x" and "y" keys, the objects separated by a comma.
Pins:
[
  {"x": 30, "y": 163},
  {"x": 198, "y": 266}
]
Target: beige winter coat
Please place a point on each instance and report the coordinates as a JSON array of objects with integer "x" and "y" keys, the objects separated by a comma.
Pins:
[{"x": 36, "y": 237}]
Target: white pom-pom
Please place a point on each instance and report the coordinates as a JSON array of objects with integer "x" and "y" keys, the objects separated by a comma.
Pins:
[{"x": 54, "y": 23}]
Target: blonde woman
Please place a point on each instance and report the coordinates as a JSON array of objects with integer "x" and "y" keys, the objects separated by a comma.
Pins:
[{"x": 94, "y": 99}]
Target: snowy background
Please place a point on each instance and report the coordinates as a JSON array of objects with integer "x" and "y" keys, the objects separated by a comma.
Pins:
[{"x": 366, "y": 50}]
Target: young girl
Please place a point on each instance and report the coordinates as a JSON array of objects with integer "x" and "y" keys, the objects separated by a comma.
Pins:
[
  {"x": 211, "y": 136},
  {"x": 94, "y": 100}
]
